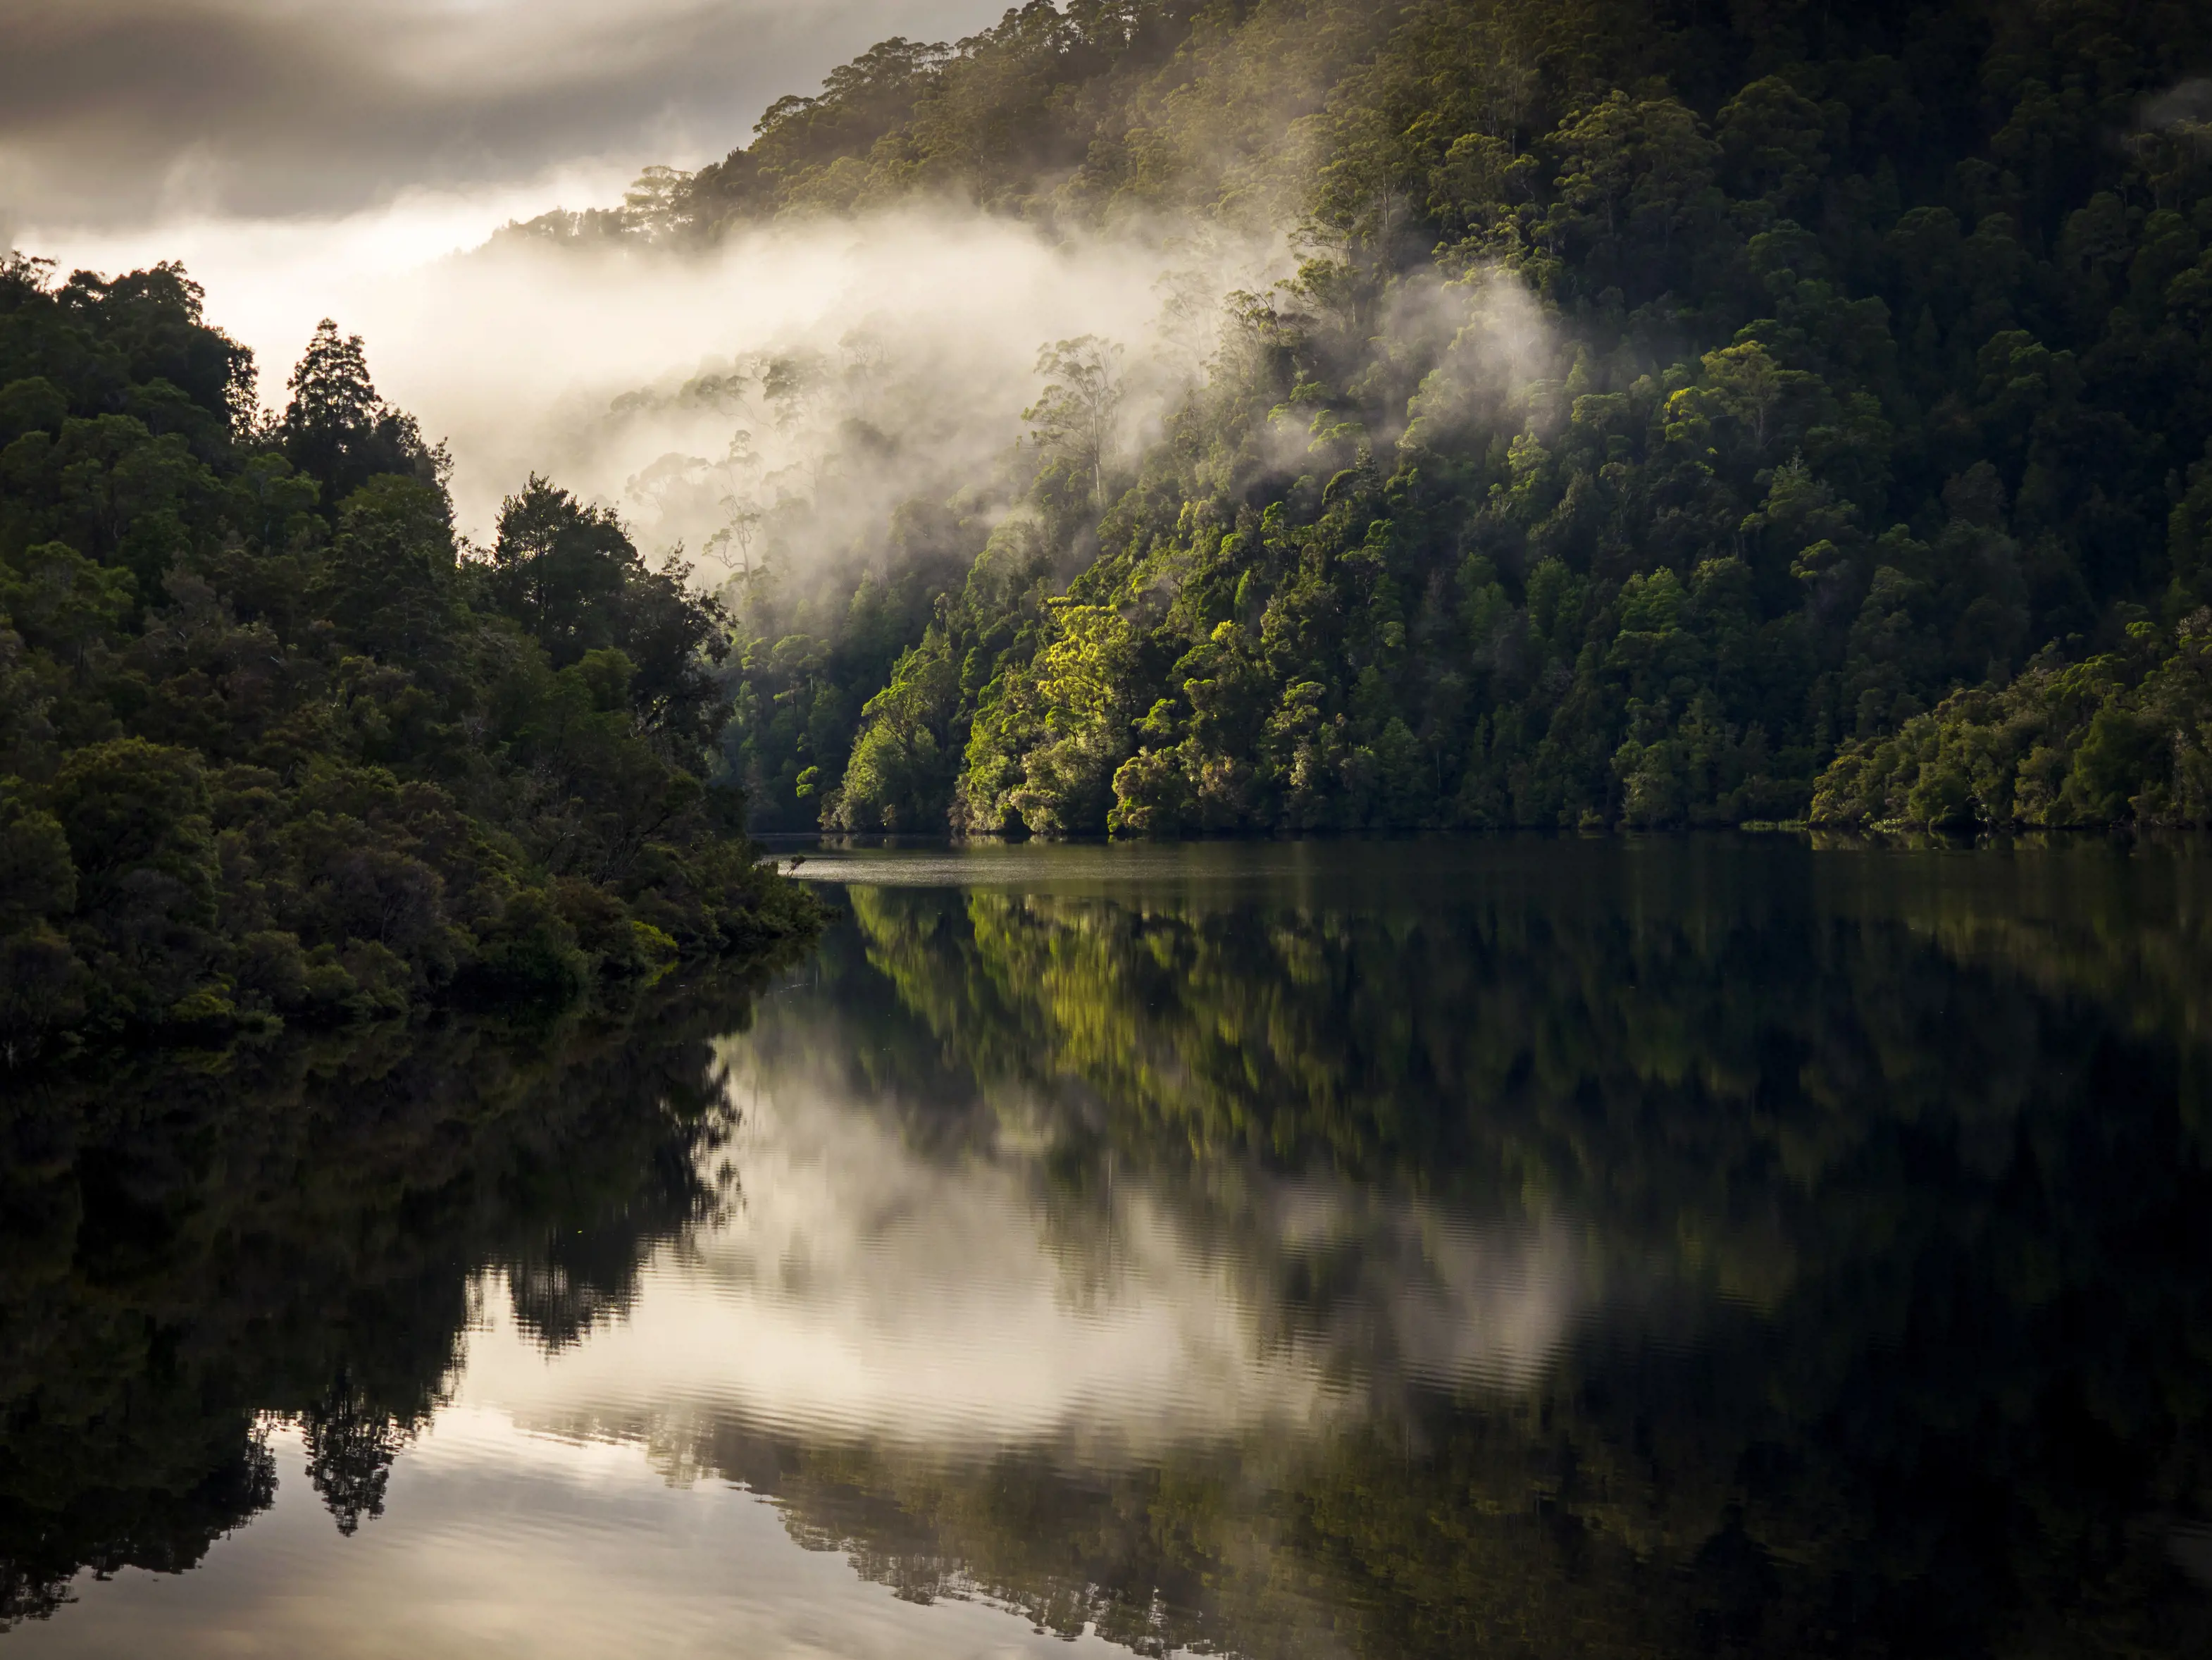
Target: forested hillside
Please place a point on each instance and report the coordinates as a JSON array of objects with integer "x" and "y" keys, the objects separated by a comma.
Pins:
[
  {"x": 1680, "y": 412},
  {"x": 271, "y": 749}
]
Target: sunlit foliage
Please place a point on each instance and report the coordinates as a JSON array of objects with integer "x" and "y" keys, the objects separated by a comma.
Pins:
[{"x": 1680, "y": 413}]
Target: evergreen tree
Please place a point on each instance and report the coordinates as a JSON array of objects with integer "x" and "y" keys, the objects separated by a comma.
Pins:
[{"x": 338, "y": 431}]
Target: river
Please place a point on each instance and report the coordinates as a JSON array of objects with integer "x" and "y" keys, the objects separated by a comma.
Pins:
[{"x": 1668, "y": 1246}]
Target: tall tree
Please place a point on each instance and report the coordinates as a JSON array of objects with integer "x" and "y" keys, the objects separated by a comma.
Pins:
[{"x": 337, "y": 429}]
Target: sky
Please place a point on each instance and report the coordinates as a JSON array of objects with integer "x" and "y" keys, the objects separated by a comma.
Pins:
[{"x": 288, "y": 151}]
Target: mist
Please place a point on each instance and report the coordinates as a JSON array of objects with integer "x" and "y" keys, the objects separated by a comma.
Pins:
[
  {"x": 777, "y": 397},
  {"x": 859, "y": 1287},
  {"x": 802, "y": 381}
]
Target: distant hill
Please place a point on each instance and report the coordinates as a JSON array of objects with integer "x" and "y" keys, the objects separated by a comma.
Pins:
[{"x": 1816, "y": 425}]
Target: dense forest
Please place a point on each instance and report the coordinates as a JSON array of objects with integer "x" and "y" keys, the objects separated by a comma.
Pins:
[
  {"x": 271, "y": 749},
  {"x": 1672, "y": 413},
  {"x": 1678, "y": 412}
]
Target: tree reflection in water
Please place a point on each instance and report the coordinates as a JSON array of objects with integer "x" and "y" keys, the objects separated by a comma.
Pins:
[
  {"x": 1853, "y": 1207},
  {"x": 1906, "y": 1152},
  {"x": 199, "y": 1245}
]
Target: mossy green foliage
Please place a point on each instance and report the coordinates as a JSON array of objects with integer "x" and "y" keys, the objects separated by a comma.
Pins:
[
  {"x": 274, "y": 746},
  {"x": 1861, "y": 366},
  {"x": 2120, "y": 737}
]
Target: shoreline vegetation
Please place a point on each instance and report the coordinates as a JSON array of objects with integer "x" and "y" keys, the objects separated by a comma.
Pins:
[
  {"x": 1679, "y": 414},
  {"x": 274, "y": 748},
  {"x": 1886, "y": 832}
]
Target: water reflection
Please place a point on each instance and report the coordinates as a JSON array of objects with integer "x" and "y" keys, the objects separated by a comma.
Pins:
[
  {"x": 198, "y": 1247},
  {"x": 865, "y": 1289},
  {"x": 1671, "y": 1248}
]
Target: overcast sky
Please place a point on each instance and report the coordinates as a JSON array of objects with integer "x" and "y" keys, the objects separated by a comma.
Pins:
[
  {"x": 312, "y": 158},
  {"x": 116, "y": 114}
]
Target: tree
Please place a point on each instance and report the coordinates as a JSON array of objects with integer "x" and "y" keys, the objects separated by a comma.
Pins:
[
  {"x": 568, "y": 573},
  {"x": 390, "y": 584},
  {"x": 337, "y": 430},
  {"x": 557, "y": 567},
  {"x": 1073, "y": 421}
]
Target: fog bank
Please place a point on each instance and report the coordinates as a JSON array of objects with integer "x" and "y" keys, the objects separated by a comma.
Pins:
[{"x": 833, "y": 366}]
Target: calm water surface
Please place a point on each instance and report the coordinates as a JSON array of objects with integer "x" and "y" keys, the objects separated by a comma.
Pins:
[{"x": 1395, "y": 1249}]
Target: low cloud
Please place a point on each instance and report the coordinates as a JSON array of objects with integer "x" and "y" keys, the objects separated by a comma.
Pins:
[
  {"x": 817, "y": 374},
  {"x": 2189, "y": 103}
]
